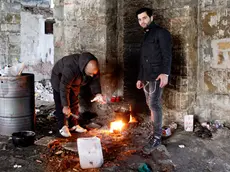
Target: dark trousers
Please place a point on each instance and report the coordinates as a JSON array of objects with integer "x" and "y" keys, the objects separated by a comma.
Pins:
[
  {"x": 153, "y": 94},
  {"x": 58, "y": 106}
]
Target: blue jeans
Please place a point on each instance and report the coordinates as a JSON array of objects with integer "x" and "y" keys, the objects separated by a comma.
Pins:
[{"x": 153, "y": 94}]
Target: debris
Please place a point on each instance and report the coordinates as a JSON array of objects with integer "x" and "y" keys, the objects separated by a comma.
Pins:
[
  {"x": 173, "y": 126},
  {"x": 4, "y": 147},
  {"x": 51, "y": 115},
  {"x": 53, "y": 142},
  {"x": 93, "y": 125},
  {"x": 37, "y": 110},
  {"x": 38, "y": 161},
  {"x": 43, "y": 91},
  {"x": 166, "y": 131},
  {"x": 59, "y": 152},
  {"x": 203, "y": 132},
  {"x": 188, "y": 122},
  {"x": 50, "y": 132},
  {"x": 15, "y": 70},
  {"x": 181, "y": 146},
  {"x": 144, "y": 168},
  {"x": 17, "y": 166},
  {"x": 71, "y": 146},
  {"x": 55, "y": 146}
]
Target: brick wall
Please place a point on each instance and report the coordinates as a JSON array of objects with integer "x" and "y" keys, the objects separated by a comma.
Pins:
[{"x": 9, "y": 32}]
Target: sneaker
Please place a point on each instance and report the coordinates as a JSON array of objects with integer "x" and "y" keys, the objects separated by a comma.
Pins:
[
  {"x": 64, "y": 131},
  {"x": 78, "y": 128},
  {"x": 152, "y": 144}
]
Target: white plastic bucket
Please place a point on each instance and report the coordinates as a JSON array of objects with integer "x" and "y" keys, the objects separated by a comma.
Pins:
[{"x": 90, "y": 152}]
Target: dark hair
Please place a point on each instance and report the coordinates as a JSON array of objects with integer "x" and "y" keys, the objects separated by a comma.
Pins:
[{"x": 148, "y": 11}]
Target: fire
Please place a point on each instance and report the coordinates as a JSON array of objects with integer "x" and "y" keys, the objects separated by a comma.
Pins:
[
  {"x": 116, "y": 126},
  {"x": 132, "y": 119}
]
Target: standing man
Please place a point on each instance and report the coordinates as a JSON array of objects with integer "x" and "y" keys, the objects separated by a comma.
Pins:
[
  {"x": 68, "y": 75},
  {"x": 155, "y": 64}
]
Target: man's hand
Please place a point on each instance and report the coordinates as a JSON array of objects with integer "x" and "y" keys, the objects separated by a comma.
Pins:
[
  {"x": 66, "y": 110},
  {"x": 99, "y": 98},
  {"x": 139, "y": 84},
  {"x": 164, "y": 80}
]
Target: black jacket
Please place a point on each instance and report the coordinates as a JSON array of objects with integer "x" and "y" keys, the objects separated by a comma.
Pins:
[
  {"x": 156, "y": 53},
  {"x": 68, "y": 74}
]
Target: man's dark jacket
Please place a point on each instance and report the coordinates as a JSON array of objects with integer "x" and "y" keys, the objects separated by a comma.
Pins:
[
  {"x": 156, "y": 53},
  {"x": 68, "y": 74}
]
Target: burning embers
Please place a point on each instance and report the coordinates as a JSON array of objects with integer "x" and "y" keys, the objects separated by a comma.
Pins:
[
  {"x": 116, "y": 126},
  {"x": 123, "y": 118}
]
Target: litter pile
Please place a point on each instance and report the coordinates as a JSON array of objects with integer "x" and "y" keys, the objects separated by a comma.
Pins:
[
  {"x": 205, "y": 129},
  {"x": 43, "y": 91}
]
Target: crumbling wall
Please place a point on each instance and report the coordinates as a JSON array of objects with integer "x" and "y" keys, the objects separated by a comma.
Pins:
[
  {"x": 37, "y": 48},
  {"x": 130, "y": 36},
  {"x": 180, "y": 18},
  {"x": 213, "y": 91},
  {"x": 89, "y": 26},
  {"x": 22, "y": 37},
  {"x": 10, "y": 41}
]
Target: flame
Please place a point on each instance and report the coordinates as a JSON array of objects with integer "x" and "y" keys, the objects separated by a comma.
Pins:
[
  {"x": 116, "y": 126},
  {"x": 132, "y": 119}
]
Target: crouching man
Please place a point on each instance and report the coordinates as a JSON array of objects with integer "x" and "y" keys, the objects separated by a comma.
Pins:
[{"x": 68, "y": 75}]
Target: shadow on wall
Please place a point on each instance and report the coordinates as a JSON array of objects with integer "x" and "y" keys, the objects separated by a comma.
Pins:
[
  {"x": 178, "y": 67},
  {"x": 178, "y": 61},
  {"x": 132, "y": 95}
]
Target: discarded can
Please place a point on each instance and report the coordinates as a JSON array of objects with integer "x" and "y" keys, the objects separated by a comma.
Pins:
[
  {"x": 118, "y": 99},
  {"x": 166, "y": 131},
  {"x": 113, "y": 99}
]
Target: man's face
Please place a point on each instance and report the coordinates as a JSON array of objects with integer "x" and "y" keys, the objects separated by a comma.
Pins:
[
  {"x": 91, "y": 68},
  {"x": 91, "y": 72},
  {"x": 144, "y": 20}
]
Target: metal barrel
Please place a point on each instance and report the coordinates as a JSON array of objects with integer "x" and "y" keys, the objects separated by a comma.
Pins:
[{"x": 17, "y": 104}]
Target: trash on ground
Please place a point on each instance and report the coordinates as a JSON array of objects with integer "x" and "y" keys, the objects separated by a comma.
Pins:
[
  {"x": 166, "y": 131},
  {"x": 90, "y": 152},
  {"x": 17, "y": 166},
  {"x": 59, "y": 152},
  {"x": 181, "y": 146},
  {"x": 144, "y": 168},
  {"x": 38, "y": 161},
  {"x": 188, "y": 123}
]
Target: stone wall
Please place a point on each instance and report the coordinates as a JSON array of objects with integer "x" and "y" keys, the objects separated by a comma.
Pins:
[
  {"x": 199, "y": 82},
  {"x": 9, "y": 32},
  {"x": 181, "y": 20},
  {"x": 200, "y": 77},
  {"x": 22, "y": 37},
  {"x": 213, "y": 91},
  {"x": 129, "y": 50},
  {"x": 90, "y": 26}
]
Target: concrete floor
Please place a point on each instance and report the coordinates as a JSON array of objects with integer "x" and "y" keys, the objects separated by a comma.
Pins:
[{"x": 200, "y": 154}]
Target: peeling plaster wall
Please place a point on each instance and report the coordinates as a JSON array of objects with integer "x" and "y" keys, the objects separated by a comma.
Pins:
[
  {"x": 199, "y": 82},
  {"x": 22, "y": 36},
  {"x": 37, "y": 49},
  {"x": 213, "y": 93}
]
